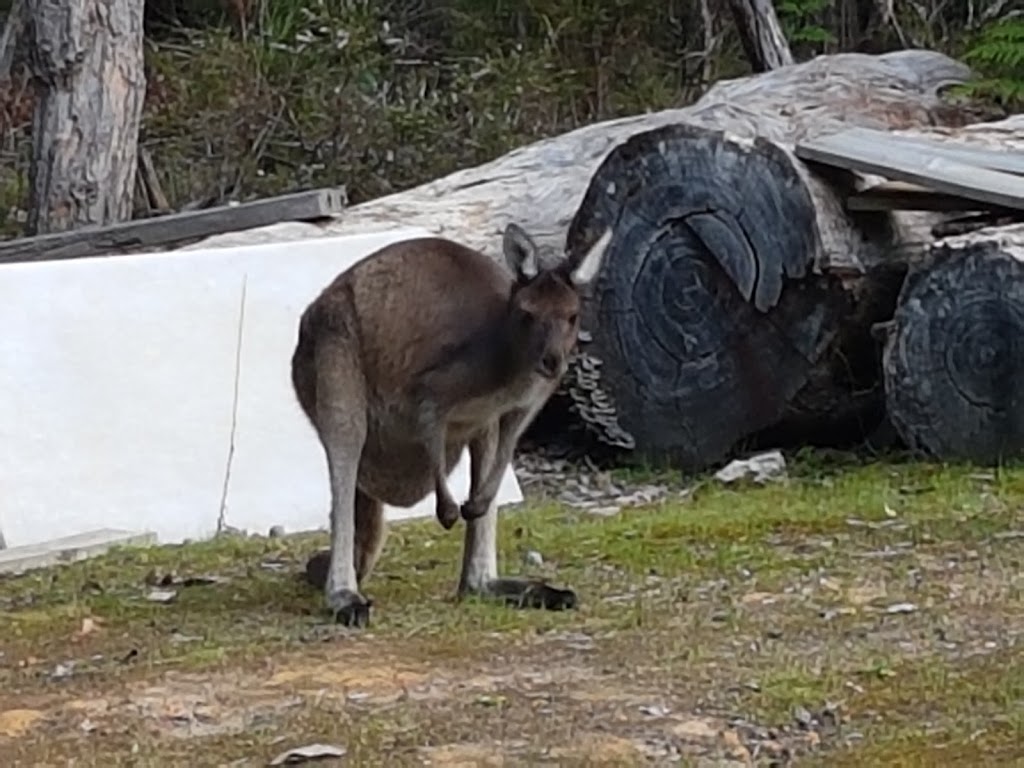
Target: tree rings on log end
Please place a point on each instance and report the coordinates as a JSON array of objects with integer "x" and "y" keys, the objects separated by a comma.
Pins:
[
  {"x": 954, "y": 359},
  {"x": 705, "y": 315}
]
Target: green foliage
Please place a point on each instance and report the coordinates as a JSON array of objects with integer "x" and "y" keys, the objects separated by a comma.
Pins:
[
  {"x": 997, "y": 53},
  {"x": 381, "y": 96},
  {"x": 804, "y": 24}
]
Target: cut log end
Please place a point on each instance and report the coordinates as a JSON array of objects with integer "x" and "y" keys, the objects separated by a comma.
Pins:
[
  {"x": 705, "y": 316},
  {"x": 954, "y": 360}
]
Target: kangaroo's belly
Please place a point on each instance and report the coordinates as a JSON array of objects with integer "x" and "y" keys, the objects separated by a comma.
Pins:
[{"x": 396, "y": 469}]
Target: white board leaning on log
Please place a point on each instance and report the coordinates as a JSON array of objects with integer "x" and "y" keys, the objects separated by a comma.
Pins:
[{"x": 117, "y": 392}]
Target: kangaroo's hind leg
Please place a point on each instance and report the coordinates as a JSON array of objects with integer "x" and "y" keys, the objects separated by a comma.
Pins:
[{"x": 340, "y": 420}]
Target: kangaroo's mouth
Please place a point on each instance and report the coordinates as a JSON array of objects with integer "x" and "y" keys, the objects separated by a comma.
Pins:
[{"x": 550, "y": 371}]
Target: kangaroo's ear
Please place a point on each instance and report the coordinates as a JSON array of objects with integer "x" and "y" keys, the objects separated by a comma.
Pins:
[
  {"x": 586, "y": 268},
  {"x": 520, "y": 252}
]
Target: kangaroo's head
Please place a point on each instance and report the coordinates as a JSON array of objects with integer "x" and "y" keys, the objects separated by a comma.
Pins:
[{"x": 545, "y": 301}]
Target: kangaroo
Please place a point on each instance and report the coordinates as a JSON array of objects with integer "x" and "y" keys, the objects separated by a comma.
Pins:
[{"x": 421, "y": 349}]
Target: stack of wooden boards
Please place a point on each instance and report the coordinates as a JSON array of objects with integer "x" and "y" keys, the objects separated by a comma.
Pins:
[{"x": 954, "y": 351}]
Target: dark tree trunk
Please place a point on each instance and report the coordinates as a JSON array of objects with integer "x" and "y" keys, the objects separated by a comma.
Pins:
[
  {"x": 761, "y": 34},
  {"x": 954, "y": 357},
  {"x": 87, "y": 61}
]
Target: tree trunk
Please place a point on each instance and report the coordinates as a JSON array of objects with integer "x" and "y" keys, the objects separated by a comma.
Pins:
[
  {"x": 87, "y": 62},
  {"x": 761, "y": 34},
  {"x": 954, "y": 356}
]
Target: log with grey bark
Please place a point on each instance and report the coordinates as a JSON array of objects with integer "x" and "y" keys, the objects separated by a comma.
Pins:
[{"x": 954, "y": 355}]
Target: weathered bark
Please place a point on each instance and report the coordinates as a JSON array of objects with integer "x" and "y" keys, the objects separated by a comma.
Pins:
[
  {"x": 954, "y": 356},
  {"x": 87, "y": 61},
  {"x": 761, "y": 34},
  {"x": 710, "y": 315},
  {"x": 727, "y": 310}
]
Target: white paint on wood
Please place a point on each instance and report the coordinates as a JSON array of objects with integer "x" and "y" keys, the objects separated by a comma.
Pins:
[{"x": 117, "y": 383}]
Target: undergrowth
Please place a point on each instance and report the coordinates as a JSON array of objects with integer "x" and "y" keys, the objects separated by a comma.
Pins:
[{"x": 248, "y": 98}]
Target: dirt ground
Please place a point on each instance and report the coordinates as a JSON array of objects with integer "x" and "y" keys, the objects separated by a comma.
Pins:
[{"x": 850, "y": 615}]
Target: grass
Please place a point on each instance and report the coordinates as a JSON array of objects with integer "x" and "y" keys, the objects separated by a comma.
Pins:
[{"x": 707, "y": 624}]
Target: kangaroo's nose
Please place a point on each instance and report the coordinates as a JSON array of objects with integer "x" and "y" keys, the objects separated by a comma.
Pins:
[{"x": 549, "y": 365}]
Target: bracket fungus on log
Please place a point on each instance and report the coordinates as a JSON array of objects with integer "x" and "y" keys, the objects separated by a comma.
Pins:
[
  {"x": 954, "y": 356},
  {"x": 707, "y": 315}
]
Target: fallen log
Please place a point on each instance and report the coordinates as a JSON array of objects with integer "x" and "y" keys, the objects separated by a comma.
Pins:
[
  {"x": 843, "y": 266},
  {"x": 737, "y": 297},
  {"x": 954, "y": 353},
  {"x": 714, "y": 309}
]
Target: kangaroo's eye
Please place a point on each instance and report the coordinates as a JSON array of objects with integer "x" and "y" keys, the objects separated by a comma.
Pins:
[{"x": 573, "y": 319}]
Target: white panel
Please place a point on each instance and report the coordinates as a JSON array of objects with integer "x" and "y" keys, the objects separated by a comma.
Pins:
[{"x": 116, "y": 391}]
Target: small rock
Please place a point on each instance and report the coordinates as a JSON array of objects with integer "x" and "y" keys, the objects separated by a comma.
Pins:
[
  {"x": 533, "y": 557},
  {"x": 62, "y": 671},
  {"x": 901, "y": 608},
  {"x": 161, "y": 595},
  {"x": 308, "y": 754},
  {"x": 655, "y": 710},
  {"x": 178, "y": 637},
  {"x": 605, "y": 511},
  {"x": 695, "y": 730},
  {"x": 760, "y": 468},
  {"x": 276, "y": 531},
  {"x": 803, "y": 717}
]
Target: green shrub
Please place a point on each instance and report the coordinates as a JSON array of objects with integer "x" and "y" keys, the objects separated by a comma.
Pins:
[{"x": 997, "y": 53}]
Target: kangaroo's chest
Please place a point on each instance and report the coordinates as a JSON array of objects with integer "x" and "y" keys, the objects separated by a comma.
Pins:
[{"x": 521, "y": 394}]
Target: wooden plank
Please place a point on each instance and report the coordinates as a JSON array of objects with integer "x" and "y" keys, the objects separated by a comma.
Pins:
[
  {"x": 174, "y": 227},
  {"x": 901, "y": 196},
  {"x": 993, "y": 159},
  {"x": 68, "y": 549},
  {"x": 903, "y": 163}
]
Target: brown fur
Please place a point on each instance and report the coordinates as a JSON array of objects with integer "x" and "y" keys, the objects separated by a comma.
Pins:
[{"x": 421, "y": 350}]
